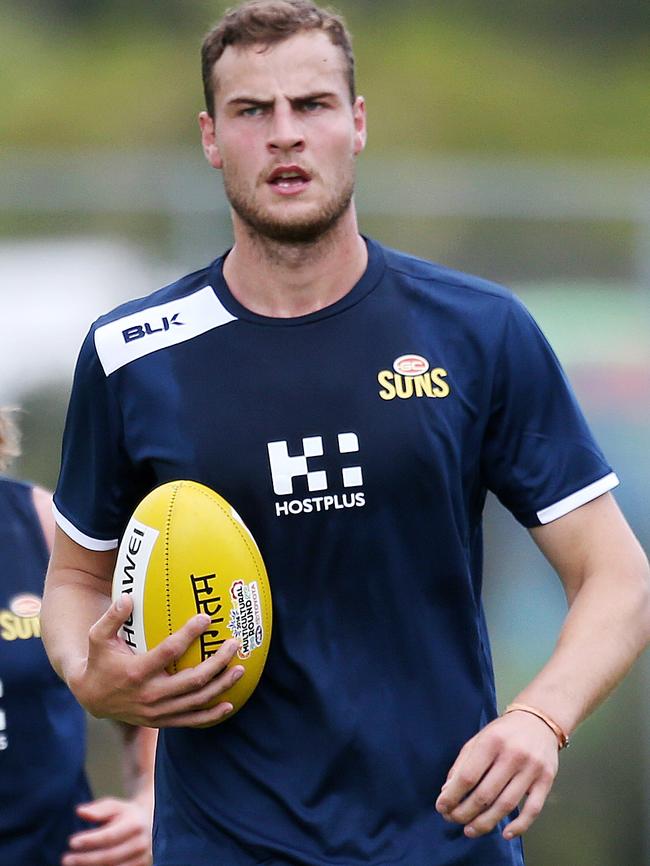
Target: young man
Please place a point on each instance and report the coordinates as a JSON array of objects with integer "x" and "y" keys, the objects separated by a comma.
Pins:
[
  {"x": 47, "y": 814},
  {"x": 355, "y": 405}
]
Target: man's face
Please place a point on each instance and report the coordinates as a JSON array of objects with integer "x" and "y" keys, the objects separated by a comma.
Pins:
[{"x": 285, "y": 135}]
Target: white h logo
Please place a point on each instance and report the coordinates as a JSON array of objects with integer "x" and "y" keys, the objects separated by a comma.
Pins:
[{"x": 285, "y": 468}]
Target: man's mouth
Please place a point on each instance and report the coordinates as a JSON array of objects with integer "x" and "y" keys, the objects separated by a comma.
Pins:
[{"x": 288, "y": 177}]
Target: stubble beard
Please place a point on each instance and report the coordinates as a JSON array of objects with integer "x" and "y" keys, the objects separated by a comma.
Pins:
[{"x": 288, "y": 230}]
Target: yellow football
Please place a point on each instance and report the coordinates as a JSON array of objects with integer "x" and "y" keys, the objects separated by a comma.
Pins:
[{"x": 187, "y": 551}]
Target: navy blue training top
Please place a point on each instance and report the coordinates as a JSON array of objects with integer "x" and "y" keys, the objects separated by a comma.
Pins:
[
  {"x": 357, "y": 443},
  {"x": 42, "y": 727}
]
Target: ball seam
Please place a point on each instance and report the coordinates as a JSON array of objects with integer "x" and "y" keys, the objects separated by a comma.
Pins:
[{"x": 168, "y": 522}]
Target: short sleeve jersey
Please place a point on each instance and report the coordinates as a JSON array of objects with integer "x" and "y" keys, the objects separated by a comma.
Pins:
[
  {"x": 42, "y": 727},
  {"x": 358, "y": 444}
]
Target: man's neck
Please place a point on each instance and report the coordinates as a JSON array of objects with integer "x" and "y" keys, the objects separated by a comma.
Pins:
[{"x": 288, "y": 280}]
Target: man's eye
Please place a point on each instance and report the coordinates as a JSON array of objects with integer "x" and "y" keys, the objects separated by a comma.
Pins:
[
  {"x": 311, "y": 106},
  {"x": 252, "y": 111}
]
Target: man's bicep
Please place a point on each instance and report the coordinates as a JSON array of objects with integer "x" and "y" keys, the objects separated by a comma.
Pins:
[
  {"x": 73, "y": 564},
  {"x": 592, "y": 539}
]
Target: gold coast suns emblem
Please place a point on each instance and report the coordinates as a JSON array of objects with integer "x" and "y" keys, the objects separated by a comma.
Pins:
[
  {"x": 412, "y": 376},
  {"x": 22, "y": 620}
]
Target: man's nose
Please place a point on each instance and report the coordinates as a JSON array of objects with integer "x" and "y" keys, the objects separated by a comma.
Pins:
[{"x": 286, "y": 132}]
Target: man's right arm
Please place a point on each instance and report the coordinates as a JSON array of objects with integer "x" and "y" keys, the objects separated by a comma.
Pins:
[{"x": 80, "y": 629}]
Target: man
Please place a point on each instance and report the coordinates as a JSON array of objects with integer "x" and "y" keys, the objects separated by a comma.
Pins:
[
  {"x": 47, "y": 814},
  {"x": 354, "y": 404}
]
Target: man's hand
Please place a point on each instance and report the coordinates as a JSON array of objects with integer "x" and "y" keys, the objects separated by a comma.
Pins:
[
  {"x": 113, "y": 682},
  {"x": 122, "y": 839},
  {"x": 512, "y": 758}
]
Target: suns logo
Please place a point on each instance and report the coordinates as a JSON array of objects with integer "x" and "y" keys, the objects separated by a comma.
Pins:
[
  {"x": 21, "y": 621},
  {"x": 411, "y": 376}
]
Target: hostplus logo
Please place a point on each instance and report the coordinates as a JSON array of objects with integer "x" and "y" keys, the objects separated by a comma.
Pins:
[{"x": 335, "y": 489}]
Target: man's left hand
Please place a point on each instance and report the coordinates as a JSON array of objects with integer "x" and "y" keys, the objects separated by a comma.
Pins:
[{"x": 512, "y": 758}]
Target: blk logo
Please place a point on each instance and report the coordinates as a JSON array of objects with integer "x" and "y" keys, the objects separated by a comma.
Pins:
[
  {"x": 136, "y": 332},
  {"x": 285, "y": 467}
]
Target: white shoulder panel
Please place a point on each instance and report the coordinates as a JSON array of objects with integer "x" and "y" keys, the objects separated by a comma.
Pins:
[{"x": 138, "y": 334}]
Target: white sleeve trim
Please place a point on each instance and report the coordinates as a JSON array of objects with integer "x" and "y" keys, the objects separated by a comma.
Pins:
[
  {"x": 580, "y": 497},
  {"x": 81, "y": 538}
]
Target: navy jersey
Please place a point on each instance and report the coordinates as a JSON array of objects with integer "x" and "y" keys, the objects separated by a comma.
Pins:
[
  {"x": 357, "y": 443},
  {"x": 42, "y": 727}
]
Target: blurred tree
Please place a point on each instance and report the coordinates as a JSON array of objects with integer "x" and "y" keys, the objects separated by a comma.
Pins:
[
  {"x": 577, "y": 21},
  {"x": 167, "y": 15}
]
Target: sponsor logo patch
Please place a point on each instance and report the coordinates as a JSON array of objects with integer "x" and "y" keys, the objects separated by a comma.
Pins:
[
  {"x": 246, "y": 617},
  {"x": 25, "y": 604},
  {"x": 305, "y": 469},
  {"x": 22, "y": 620},
  {"x": 410, "y": 365},
  {"x": 125, "y": 340},
  {"x": 412, "y": 376},
  {"x": 130, "y": 576}
]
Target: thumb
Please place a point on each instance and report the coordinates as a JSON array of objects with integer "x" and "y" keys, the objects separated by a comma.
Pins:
[{"x": 108, "y": 625}]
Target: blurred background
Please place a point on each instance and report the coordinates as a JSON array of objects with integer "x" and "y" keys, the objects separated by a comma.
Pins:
[{"x": 509, "y": 139}]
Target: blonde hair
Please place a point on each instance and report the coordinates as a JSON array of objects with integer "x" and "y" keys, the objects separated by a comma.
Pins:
[{"x": 9, "y": 437}]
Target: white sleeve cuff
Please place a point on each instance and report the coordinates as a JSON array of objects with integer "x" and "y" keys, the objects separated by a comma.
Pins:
[
  {"x": 580, "y": 497},
  {"x": 81, "y": 538}
]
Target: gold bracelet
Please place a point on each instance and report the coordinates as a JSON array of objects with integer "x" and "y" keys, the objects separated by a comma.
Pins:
[{"x": 562, "y": 738}]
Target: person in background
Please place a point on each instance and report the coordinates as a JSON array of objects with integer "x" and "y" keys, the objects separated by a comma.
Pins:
[{"x": 47, "y": 814}]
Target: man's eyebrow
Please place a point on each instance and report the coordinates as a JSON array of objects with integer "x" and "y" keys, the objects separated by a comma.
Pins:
[
  {"x": 313, "y": 97},
  {"x": 249, "y": 100},
  {"x": 307, "y": 97}
]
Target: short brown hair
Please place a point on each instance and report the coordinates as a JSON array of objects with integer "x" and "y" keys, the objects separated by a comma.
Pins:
[
  {"x": 265, "y": 22},
  {"x": 9, "y": 438}
]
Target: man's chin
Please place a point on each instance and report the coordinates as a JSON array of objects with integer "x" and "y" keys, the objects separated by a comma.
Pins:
[
  {"x": 293, "y": 229},
  {"x": 291, "y": 232}
]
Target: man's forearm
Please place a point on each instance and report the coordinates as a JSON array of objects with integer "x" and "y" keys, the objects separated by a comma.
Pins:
[
  {"x": 77, "y": 593},
  {"x": 72, "y": 603},
  {"x": 515, "y": 757},
  {"x": 601, "y": 638},
  {"x": 607, "y": 580}
]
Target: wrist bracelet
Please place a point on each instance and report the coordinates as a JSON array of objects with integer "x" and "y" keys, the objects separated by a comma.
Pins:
[{"x": 562, "y": 738}]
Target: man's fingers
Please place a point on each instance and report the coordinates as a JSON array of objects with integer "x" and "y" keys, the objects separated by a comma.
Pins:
[
  {"x": 196, "y": 697},
  {"x": 108, "y": 625},
  {"x": 505, "y": 803},
  {"x": 198, "y": 718},
  {"x": 172, "y": 648},
  {"x": 196, "y": 678},
  {"x": 468, "y": 770},
  {"x": 123, "y": 839},
  {"x": 133, "y": 851},
  {"x": 484, "y": 794},
  {"x": 102, "y": 838},
  {"x": 530, "y": 810},
  {"x": 99, "y": 811},
  {"x": 144, "y": 692},
  {"x": 166, "y": 698}
]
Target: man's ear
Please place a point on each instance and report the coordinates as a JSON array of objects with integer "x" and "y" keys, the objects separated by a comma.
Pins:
[
  {"x": 208, "y": 140},
  {"x": 360, "y": 129}
]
